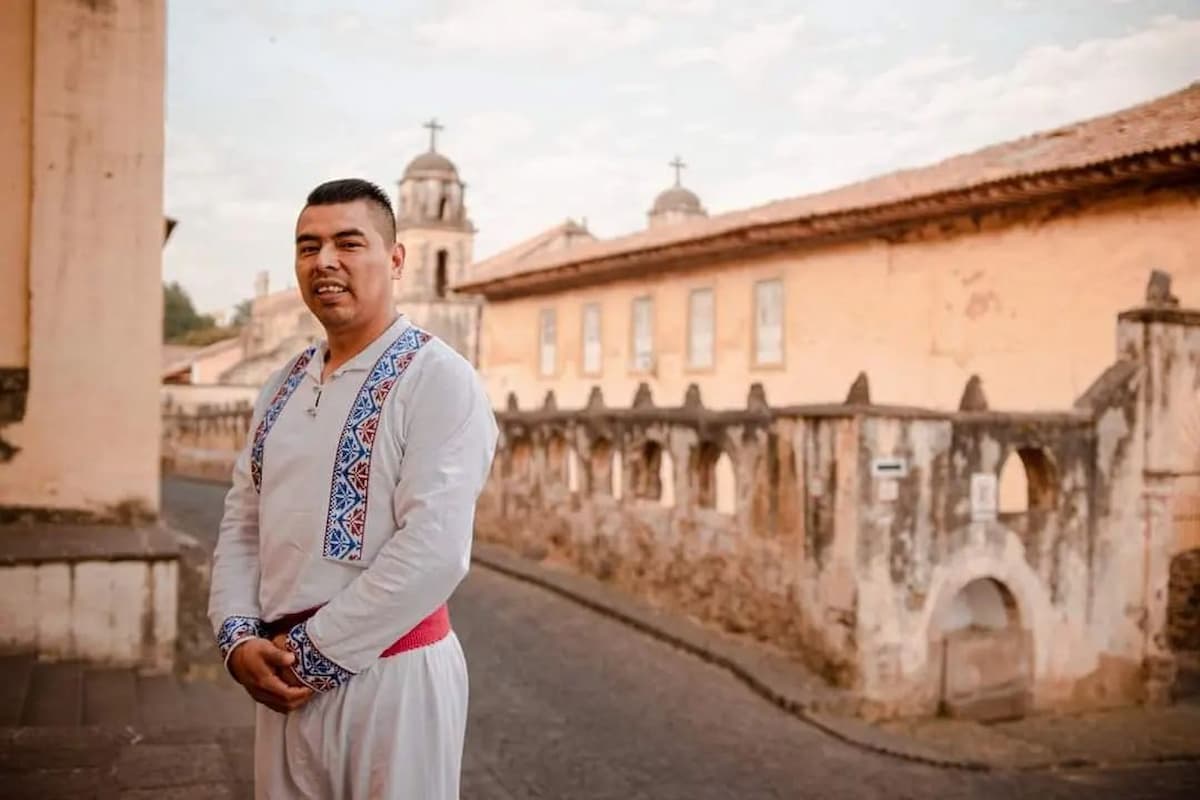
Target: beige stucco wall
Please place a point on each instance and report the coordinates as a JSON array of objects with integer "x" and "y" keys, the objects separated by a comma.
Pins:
[
  {"x": 89, "y": 439},
  {"x": 1028, "y": 306},
  {"x": 276, "y": 317},
  {"x": 420, "y": 260},
  {"x": 16, "y": 103},
  {"x": 213, "y": 361}
]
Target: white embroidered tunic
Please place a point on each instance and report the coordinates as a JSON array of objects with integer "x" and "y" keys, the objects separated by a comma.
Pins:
[{"x": 356, "y": 495}]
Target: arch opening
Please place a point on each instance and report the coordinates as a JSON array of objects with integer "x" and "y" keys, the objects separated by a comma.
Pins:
[
  {"x": 647, "y": 471},
  {"x": 441, "y": 281},
  {"x": 600, "y": 479},
  {"x": 1028, "y": 482},
  {"x": 985, "y": 653},
  {"x": 713, "y": 478}
]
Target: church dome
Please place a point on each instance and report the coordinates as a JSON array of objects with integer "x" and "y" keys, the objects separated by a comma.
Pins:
[
  {"x": 677, "y": 198},
  {"x": 431, "y": 164},
  {"x": 675, "y": 203}
]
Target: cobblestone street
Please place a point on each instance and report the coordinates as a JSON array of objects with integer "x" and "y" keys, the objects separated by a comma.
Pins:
[{"x": 566, "y": 703}]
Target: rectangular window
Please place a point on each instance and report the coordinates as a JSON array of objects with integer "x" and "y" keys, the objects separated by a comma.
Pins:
[
  {"x": 700, "y": 329},
  {"x": 591, "y": 339},
  {"x": 548, "y": 337},
  {"x": 643, "y": 334},
  {"x": 768, "y": 323}
]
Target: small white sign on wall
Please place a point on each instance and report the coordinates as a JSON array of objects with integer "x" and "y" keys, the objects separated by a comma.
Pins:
[{"x": 983, "y": 497}]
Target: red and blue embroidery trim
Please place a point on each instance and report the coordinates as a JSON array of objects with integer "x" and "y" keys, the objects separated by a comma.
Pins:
[
  {"x": 282, "y": 395},
  {"x": 312, "y": 667},
  {"x": 346, "y": 522}
]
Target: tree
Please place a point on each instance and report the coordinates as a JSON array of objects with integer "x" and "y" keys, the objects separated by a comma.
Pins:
[
  {"x": 241, "y": 314},
  {"x": 179, "y": 316}
]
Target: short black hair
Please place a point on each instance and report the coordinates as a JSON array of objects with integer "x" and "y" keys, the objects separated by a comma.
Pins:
[{"x": 347, "y": 190}]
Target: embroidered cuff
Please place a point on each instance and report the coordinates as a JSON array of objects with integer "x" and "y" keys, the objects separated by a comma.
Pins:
[
  {"x": 235, "y": 630},
  {"x": 312, "y": 667}
]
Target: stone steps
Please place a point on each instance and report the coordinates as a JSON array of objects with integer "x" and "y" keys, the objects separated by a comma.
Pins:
[{"x": 72, "y": 694}]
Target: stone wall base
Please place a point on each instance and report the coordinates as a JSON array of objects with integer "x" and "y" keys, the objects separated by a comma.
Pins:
[{"x": 106, "y": 594}]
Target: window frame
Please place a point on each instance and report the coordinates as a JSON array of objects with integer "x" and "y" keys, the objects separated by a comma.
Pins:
[
  {"x": 583, "y": 340},
  {"x": 756, "y": 350},
  {"x": 634, "y": 367},
  {"x": 691, "y": 331},
  {"x": 544, "y": 315}
]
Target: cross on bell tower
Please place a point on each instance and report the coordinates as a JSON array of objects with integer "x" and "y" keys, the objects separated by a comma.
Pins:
[
  {"x": 678, "y": 165},
  {"x": 434, "y": 126}
]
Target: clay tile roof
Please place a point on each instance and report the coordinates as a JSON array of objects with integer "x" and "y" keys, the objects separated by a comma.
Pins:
[
  {"x": 177, "y": 356},
  {"x": 1165, "y": 123},
  {"x": 559, "y": 239}
]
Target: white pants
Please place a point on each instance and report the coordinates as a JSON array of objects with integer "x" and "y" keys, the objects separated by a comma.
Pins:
[{"x": 394, "y": 730}]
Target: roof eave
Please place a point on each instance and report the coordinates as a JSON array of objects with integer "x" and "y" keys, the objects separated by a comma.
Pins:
[{"x": 1180, "y": 160}]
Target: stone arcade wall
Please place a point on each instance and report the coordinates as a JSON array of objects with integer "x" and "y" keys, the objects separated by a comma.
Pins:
[
  {"x": 881, "y": 545},
  {"x": 868, "y": 540},
  {"x": 204, "y": 442}
]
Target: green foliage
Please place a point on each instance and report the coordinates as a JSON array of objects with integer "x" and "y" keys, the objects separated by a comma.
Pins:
[
  {"x": 179, "y": 316},
  {"x": 206, "y": 336},
  {"x": 182, "y": 325}
]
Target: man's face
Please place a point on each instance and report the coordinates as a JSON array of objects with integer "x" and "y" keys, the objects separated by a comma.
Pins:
[{"x": 344, "y": 265}]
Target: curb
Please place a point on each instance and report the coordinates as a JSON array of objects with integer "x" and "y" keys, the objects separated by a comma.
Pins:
[
  {"x": 499, "y": 560},
  {"x": 673, "y": 630}
]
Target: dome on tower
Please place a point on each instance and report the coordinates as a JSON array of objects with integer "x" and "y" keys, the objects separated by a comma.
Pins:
[
  {"x": 431, "y": 164},
  {"x": 431, "y": 192},
  {"x": 675, "y": 203},
  {"x": 677, "y": 198}
]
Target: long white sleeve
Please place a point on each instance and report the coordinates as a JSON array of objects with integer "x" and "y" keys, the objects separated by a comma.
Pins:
[
  {"x": 233, "y": 606},
  {"x": 449, "y": 439}
]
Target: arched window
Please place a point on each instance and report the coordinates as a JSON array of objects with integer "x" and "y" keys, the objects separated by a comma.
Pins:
[
  {"x": 441, "y": 279},
  {"x": 600, "y": 468},
  {"x": 666, "y": 479},
  {"x": 572, "y": 471},
  {"x": 714, "y": 477},
  {"x": 647, "y": 474},
  {"x": 1028, "y": 482},
  {"x": 520, "y": 458}
]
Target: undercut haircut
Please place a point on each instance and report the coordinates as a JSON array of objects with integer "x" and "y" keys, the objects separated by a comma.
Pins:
[{"x": 348, "y": 190}]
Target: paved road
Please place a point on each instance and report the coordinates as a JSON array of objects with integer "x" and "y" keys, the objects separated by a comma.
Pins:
[{"x": 568, "y": 704}]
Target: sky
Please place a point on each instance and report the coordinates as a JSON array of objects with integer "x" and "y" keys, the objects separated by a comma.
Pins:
[{"x": 565, "y": 108}]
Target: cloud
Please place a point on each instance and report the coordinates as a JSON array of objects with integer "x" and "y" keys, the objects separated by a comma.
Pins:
[
  {"x": 681, "y": 8},
  {"x": 744, "y": 54},
  {"x": 635, "y": 88},
  {"x": 1053, "y": 85},
  {"x": 653, "y": 111},
  {"x": 936, "y": 105},
  {"x": 821, "y": 90},
  {"x": 857, "y": 41},
  {"x": 897, "y": 89},
  {"x": 534, "y": 26}
]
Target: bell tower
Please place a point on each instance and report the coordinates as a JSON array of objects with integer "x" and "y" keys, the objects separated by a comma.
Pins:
[{"x": 438, "y": 238}]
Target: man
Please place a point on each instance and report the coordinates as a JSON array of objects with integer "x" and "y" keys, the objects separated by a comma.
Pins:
[{"x": 348, "y": 526}]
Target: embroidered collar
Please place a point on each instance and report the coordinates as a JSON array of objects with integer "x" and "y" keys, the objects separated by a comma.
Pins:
[{"x": 366, "y": 357}]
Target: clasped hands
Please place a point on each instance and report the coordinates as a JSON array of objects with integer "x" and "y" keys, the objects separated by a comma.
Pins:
[{"x": 264, "y": 668}]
